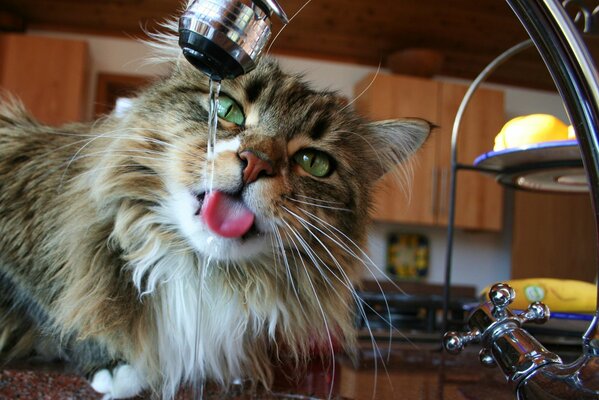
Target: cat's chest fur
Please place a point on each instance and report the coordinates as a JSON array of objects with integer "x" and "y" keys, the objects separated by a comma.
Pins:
[
  {"x": 200, "y": 332},
  {"x": 203, "y": 326}
]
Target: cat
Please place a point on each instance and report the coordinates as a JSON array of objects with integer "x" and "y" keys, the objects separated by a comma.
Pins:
[{"x": 116, "y": 256}]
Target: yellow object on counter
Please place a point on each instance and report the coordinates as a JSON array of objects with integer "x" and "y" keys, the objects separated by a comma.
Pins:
[
  {"x": 561, "y": 295},
  {"x": 530, "y": 129},
  {"x": 571, "y": 133}
]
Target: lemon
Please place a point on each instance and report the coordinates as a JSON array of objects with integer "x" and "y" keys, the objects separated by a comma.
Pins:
[
  {"x": 530, "y": 129},
  {"x": 571, "y": 132}
]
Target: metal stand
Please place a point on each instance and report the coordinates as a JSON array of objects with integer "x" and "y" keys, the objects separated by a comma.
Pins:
[{"x": 535, "y": 372}]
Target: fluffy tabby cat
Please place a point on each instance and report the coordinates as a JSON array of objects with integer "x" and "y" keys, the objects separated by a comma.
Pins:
[{"x": 114, "y": 255}]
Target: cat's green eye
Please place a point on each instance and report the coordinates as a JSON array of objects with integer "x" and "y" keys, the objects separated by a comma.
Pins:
[
  {"x": 229, "y": 110},
  {"x": 314, "y": 162}
]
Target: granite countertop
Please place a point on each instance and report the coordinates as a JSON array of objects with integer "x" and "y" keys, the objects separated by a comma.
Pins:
[{"x": 413, "y": 372}]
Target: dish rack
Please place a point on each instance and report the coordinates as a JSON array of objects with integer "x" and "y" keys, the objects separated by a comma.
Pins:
[{"x": 534, "y": 372}]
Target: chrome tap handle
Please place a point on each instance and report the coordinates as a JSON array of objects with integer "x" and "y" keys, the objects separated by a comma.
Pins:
[
  {"x": 504, "y": 342},
  {"x": 454, "y": 342},
  {"x": 537, "y": 312},
  {"x": 501, "y": 295},
  {"x": 486, "y": 357}
]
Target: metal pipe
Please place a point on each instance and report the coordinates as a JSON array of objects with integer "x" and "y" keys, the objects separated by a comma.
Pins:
[
  {"x": 489, "y": 69},
  {"x": 575, "y": 75},
  {"x": 536, "y": 373}
]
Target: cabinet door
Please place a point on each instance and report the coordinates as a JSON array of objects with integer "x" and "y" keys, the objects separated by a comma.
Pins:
[
  {"x": 394, "y": 96},
  {"x": 554, "y": 236},
  {"x": 49, "y": 75},
  {"x": 479, "y": 200}
]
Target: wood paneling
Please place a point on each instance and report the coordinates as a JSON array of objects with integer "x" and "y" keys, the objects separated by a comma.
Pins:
[
  {"x": 479, "y": 203},
  {"x": 393, "y": 96},
  {"x": 109, "y": 87},
  {"x": 554, "y": 236},
  {"x": 479, "y": 198},
  {"x": 469, "y": 33},
  {"x": 48, "y": 75}
]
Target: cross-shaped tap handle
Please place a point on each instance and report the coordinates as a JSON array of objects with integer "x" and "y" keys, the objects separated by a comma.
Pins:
[
  {"x": 501, "y": 295},
  {"x": 454, "y": 342}
]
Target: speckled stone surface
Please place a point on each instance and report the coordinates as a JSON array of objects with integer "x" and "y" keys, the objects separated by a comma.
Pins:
[
  {"x": 55, "y": 381},
  {"x": 412, "y": 373},
  {"x": 43, "y": 385}
]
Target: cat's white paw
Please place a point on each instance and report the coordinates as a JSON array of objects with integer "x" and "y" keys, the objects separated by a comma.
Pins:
[{"x": 121, "y": 383}]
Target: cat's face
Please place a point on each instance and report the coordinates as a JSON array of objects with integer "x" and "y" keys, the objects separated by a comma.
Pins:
[{"x": 290, "y": 163}]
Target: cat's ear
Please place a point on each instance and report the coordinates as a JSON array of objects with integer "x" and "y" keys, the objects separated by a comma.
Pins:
[{"x": 396, "y": 140}]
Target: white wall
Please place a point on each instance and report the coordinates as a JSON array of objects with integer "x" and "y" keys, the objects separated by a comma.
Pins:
[{"x": 479, "y": 258}]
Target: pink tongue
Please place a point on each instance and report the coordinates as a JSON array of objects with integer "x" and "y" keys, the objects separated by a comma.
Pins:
[{"x": 226, "y": 215}]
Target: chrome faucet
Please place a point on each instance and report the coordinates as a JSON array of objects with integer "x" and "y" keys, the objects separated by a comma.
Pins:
[
  {"x": 224, "y": 38},
  {"x": 535, "y": 372}
]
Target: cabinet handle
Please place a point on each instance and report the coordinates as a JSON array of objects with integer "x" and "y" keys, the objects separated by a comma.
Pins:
[
  {"x": 434, "y": 195},
  {"x": 444, "y": 194}
]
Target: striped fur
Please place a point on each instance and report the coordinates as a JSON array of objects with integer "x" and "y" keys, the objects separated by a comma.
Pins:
[{"x": 103, "y": 259}]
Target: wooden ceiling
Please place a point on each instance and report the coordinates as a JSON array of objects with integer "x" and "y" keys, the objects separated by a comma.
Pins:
[{"x": 468, "y": 33}]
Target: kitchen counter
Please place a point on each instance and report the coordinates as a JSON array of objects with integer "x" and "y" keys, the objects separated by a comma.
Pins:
[{"x": 413, "y": 372}]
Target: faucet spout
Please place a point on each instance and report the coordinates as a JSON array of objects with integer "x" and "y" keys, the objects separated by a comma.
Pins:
[
  {"x": 579, "y": 380},
  {"x": 224, "y": 38}
]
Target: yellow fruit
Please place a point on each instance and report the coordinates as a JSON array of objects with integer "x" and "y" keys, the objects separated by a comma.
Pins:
[
  {"x": 561, "y": 295},
  {"x": 530, "y": 129},
  {"x": 571, "y": 132}
]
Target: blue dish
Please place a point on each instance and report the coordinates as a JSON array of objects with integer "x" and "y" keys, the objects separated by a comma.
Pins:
[
  {"x": 534, "y": 154},
  {"x": 549, "y": 166}
]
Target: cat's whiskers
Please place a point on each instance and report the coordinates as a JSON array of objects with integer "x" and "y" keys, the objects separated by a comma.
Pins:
[
  {"x": 359, "y": 301},
  {"x": 282, "y": 255},
  {"x": 376, "y": 74},
  {"x": 146, "y": 129},
  {"x": 106, "y": 135},
  {"x": 283, "y": 27},
  {"x": 87, "y": 143},
  {"x": 315, "y": 258},
  {"x": 401, "y": 170},
  {"x": 363, "y": 256},
  {"x": 324, "y": 318},
  {"x": 342, "y": 245},
  {"x": 375, "y": 151},
  {"x": 339, "y": 242},
  {"x": 121, "y": 151},
  {"x": 94, "y": 171},
  {"x": 318, "y": 205},
  {"x": 291, "y": 278},
  {"x": 122, "y": 134},
  {"x": 346, "y": 282},
  {"x": 275, "y": 252},
  {"x": 91, "y": 155},
  {"x": 319, "y": 200}
]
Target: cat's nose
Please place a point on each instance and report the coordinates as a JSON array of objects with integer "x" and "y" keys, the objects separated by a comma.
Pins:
[{"x": 255, "y": 166}]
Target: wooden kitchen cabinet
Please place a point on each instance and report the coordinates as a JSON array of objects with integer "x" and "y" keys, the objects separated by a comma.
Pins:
[
  {"x": 554, "y": 236},
  {"x": 479, "y": 202},
  {"x": 48, "y": 75}
]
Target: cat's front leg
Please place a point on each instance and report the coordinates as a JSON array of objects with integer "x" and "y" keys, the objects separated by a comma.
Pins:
[{"x": 121, "y": 382}]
